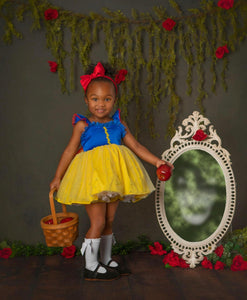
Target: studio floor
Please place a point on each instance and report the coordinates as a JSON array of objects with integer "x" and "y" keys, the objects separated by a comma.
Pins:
[{"x": 54, "y": 277}]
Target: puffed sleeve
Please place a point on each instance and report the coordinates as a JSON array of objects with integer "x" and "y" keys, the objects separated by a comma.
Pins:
[
  {"x": 117, "y": 118},
  {"x": 78, "y": 117}
]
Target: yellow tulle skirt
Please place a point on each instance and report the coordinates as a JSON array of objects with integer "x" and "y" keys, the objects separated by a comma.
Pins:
[{"x": 104, "y": 174}]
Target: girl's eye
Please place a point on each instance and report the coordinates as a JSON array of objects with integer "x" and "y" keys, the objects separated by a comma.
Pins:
[
  {"x": 94, "y": 99},
  {"x": 108, "y": 99}
]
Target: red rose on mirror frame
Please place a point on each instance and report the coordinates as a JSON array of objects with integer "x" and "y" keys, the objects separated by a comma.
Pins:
[
  {"x": 168, "y": 24},
  {"x": 226, "y": 4},
  {"x": 200, "y": 135},
  {"x": 69, "y": 252},
  {"x": 5, "y": 253},
  {"x": 220, "y": 52},
  {"x": 51, "y": 14}
]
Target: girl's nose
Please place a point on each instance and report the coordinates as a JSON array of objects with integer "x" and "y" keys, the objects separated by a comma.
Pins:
[{"x": 101, "y": 102}]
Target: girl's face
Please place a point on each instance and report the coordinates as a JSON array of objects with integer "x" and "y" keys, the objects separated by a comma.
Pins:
[{"x": 100, "y": 98}]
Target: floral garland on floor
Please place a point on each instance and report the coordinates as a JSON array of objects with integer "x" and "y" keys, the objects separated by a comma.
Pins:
[
  {"x": 10, "y": 249},
  {"x": 149, "y": 45},
  {"x": 231, "y": 253}
]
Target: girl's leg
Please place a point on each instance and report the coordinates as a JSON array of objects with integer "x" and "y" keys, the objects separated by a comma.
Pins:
[
  {"x": 93, "y": 270},
  {"x": 107, "y": 236},
  {"x": 96, "y": 213},
  {"x": 111, "y": 209}
]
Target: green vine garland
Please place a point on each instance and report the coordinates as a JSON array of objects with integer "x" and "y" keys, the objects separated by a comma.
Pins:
[
  {"x": 234, "y": 243},
  {"x": 141, "y": 45}
]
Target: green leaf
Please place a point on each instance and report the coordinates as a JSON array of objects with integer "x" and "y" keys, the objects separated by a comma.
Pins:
[{"x": 3, "y": 245}]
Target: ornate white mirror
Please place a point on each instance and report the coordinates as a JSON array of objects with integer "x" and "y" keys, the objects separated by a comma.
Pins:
[{"x": 196, "y": 205}]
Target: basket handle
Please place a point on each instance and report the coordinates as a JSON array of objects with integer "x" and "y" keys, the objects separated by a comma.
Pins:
[{"x": 52, "y": 205}]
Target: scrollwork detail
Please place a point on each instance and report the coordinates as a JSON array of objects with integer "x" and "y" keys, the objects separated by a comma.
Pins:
[{"x": 185, "y": 134}]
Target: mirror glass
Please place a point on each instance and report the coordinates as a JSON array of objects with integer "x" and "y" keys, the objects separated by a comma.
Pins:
[{"x": 195, "y": 196}]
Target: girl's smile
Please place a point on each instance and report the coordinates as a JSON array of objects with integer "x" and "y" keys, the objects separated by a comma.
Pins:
[{"x": 100, "y": 98}]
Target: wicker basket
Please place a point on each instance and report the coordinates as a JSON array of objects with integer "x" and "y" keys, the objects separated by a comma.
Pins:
[{"x": 59, "y": 234}]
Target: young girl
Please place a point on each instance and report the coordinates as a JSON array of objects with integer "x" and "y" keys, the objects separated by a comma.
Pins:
[{"x": 103, "y": 172}]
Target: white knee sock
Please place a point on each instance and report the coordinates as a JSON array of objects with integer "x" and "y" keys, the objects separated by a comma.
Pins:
[
  {"x": 105, "y": 250},
  {"x": 91, "y": 248}
]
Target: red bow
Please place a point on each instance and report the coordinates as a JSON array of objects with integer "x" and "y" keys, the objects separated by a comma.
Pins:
[{"x": 99, "y": 71}]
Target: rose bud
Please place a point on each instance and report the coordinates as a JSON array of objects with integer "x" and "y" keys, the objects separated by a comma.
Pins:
[{"x": 164, "y": 172}]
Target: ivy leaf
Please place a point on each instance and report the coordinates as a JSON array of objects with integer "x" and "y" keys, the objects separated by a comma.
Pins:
[
  {"x": 228, "y": 262},
  {"x": 176, "y": 6},
  {"x": 4, "y": 244},
  {"x": 160, "y": 12}
]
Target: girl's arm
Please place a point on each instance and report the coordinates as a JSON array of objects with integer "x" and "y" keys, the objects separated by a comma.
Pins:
[
  {"x": 68, "y": 154},
  {"x": 141, "y": 151}
]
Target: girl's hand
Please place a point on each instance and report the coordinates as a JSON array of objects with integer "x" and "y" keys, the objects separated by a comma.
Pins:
[
  {"x": 55, "y": 183},
  {"x": 163, "y": 162}
]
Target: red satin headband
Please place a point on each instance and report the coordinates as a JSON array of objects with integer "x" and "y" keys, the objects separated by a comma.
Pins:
[{"x": 99, "y": 71}]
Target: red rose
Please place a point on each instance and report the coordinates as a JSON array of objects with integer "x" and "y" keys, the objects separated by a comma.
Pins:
[
  {"x": 171, "y": 259},
  {"x": 5, "y": 253},
  {"x": 157, "y": 249},
  {"x": 206, "y": 263},
  {"x": 183, "y": 263},
  {"x": 219, "y": 265},
  {"x": 219, "y": 250},
  {"x": 53, "y": 66},
  {"x": 168, "y": 24},
  {"x": 51, "y": 14},
  {"x": 200, "y": 135},
  {"x": 226, "y": 4},
  {"x": 220, "y": 52},
  {"x": 69, "y": 252},
  {"x": 120, "y": 76},
  {"x": 238, "y": 263}
]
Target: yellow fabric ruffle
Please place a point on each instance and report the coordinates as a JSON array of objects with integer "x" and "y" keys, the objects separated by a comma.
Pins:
[{"x": 105, "y": 174}]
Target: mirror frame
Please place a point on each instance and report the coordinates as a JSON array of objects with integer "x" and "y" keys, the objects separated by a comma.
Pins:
[{"x": 193, "y": 252}]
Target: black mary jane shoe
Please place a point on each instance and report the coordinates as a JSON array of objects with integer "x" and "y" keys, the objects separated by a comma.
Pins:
[
  {"x": 121, "y": 269},
  {"x": 96, "y": 276}
]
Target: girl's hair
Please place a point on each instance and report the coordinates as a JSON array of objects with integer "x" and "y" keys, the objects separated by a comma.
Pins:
[{"x": 109, "y": 71}]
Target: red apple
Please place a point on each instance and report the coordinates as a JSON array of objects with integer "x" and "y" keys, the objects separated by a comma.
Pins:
[
  {"x": 66, "y": 220},
  {"x": 50, "y": 221},
  {"x": 164, "y": 172}
]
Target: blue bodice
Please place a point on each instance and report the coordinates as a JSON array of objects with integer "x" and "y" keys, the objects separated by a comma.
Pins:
[{"x": 100, "y": 134}]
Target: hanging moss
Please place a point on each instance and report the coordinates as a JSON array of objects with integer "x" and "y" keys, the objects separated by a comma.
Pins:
[{"x": 140, "y": 44}]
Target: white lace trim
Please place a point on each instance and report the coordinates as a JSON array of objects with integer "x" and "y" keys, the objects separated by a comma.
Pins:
[{"x": 107, "y": 197}]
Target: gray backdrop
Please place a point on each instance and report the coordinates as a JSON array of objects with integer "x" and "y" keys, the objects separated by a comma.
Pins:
[{"x": 36, "y": 126}]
